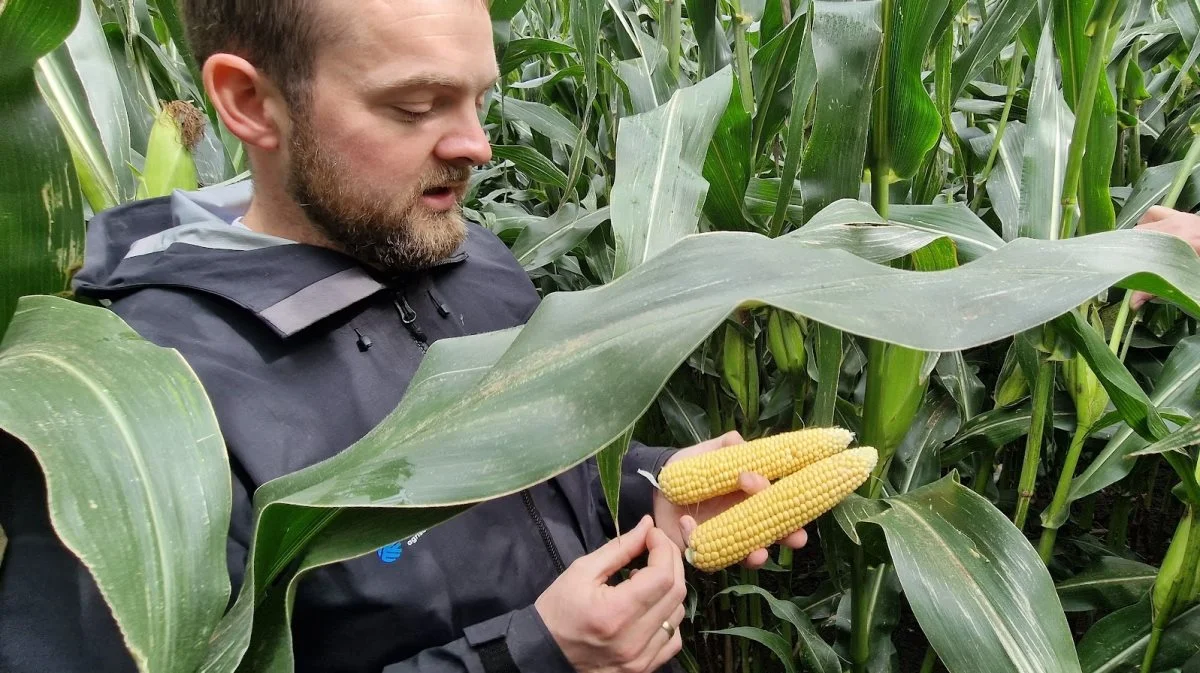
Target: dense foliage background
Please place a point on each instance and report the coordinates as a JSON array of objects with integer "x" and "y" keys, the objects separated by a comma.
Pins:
[{"x": 921, "y": 135}]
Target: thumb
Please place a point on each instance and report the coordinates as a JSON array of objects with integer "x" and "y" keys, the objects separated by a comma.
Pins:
[{"x": 618, "y": 552}]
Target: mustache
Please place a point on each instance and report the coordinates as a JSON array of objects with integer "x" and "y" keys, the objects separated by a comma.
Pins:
[{"x": 445, "y": 176}]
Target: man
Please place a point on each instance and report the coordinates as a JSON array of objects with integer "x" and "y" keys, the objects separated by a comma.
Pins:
[{"x": 305, "y": 307}]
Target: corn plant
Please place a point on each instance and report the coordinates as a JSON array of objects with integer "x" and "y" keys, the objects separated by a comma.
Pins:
[{"x": 909, "y": 218}]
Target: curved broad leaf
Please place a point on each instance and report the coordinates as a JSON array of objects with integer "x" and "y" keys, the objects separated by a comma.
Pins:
[
  {"x": 659, "y": 190},
  {"x": 916, "y": 462},
  {"x": 914, "y": 124},
  {"x": 818, "y": 655},
  {"x": 462, "y": 434},
  {"x": 156, "y": 449},
  {"x": 1047, "y": 139},
  {"x": 773, "y": 642},
  {"x": 532, "y": 163},
  {"x": 846, "y": 40},
  {"x": 996, "y": 428},
  {"x": 1109, "y": 584},
  {"x": 970, "y": 235},
  {"x": 1004, "y": 20},
  {"x": 547, "y": 121},
  {"x": 774, "y": 69},
  {"x": 727, "y": 167},
  {"x": 1150, "y": 189},
  {"x": 80, "y": 83},
  {"x": 1073, "y": 44},
  {"x": 1116, "y": 643},
  {"x": 544, "y": 240},
  {"x": 1004, "y": 182},
  {"x": 1174, "y": 387},
  {"x": 41, "y": 213},
  {"x": 710, "y": 37},
  {"x": 981, "y": 594}
]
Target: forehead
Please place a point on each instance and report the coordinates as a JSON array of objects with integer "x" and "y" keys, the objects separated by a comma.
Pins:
[{"x": 380, "y": 40}]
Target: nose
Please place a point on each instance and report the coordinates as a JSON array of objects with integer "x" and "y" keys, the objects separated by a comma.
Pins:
[{"x": 466, "y": 143}]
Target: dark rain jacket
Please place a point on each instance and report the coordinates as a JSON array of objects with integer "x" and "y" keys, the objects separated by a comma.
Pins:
[{"x": 302, "y": 352}]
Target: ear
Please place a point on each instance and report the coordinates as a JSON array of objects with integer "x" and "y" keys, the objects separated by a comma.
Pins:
[{"x": 249, "y": 104}]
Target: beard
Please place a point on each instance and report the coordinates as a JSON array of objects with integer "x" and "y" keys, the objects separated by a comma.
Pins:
[{"x": 392, "y": 230}]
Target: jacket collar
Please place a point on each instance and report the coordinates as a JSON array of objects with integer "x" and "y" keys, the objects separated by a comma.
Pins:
[{"x": 189, "y": 240}]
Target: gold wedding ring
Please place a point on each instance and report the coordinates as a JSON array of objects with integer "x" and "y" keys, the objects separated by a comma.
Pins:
[{"x": 669, "y": 629}]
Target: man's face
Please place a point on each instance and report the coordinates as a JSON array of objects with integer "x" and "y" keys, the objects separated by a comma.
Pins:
[{"x": 380, "y": 158}]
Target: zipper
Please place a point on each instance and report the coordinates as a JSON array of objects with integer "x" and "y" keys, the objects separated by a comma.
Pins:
[
  {"x": 543, "y": 531},
  {"x": 409, "y": 317}
]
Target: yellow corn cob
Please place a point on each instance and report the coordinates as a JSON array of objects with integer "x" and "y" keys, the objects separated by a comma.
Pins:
[
  {"x": 770, "y": 515},
  {"x": 714, "y": 473}
]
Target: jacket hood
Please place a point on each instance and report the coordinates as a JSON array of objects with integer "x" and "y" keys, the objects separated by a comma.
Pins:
[{"x": 193, "y": 240}]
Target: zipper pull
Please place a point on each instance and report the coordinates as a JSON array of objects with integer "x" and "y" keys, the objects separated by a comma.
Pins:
[
  {"x": 443, "y": 310},
  {"x": 409, "y": 317}
]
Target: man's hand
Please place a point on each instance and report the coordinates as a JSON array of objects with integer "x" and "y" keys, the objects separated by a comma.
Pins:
[
  {"x": 1169, "y": 221},
  {"x": 628, "y": 628},
  {"x": 679, "y": 522}
]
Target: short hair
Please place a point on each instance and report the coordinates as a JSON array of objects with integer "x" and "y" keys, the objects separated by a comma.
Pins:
[{"x": 278, "y": 37}]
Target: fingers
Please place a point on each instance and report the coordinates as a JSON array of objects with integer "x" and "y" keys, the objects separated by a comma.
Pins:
[
  {"x": 671, "y": 611},
  {"x": 672, "y": 648},
  {"x": 662, "y": 574},
  {"x": 618, "y": 552},
  {"x": 1139, "y": 298},
  {"x": 731, "y": 438},
  {"x": 753, "y": 482},
  {"x": 1157, "y": 213}
]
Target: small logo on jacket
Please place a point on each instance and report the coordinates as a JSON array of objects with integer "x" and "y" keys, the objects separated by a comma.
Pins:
[{"x": 392, "y": 552}]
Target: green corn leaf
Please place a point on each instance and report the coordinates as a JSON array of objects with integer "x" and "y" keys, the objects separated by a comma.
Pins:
[
  {"x": 1047, "y": 140},
  {"x": 163, "y": 465},
  {"x": 714, "y": 48},
  {"x": 93, "y": 117},
  {"x": 609, "y": 463},
  {"x": 914, "y": 124},
  {"x": 1180, "y": 439},
  {"x": 659, "y": 189},
  {"x": 1173, "y": 387},
  {"x": 773, "y": 641},
  {"x": 1117, "y": 642},
  {"x": 546, "y": 121},
  {"x": 1108, "y": 584},
  {"x": 1135, "y": 406},
  {"x": 1149, "y": 190},
  {"x": 978, "y": 589},
  {"x": 1073, "y": 45},
  {"x": 585, "y": 31},
  {"x": 521, "y": 50},
  {"x": 774, "y": 69},
  {"x": 805, "y": 80},
  {"x": 846, "y": 43},
  {"x": 727, "y": 167},
  {"x": 41, "y": 213},
  {"x": 818, "y": 656},
  {"x": 545, "y": 240},
  {"x": 532, "y": 163},
  {"x": 1004, "y": 20}
]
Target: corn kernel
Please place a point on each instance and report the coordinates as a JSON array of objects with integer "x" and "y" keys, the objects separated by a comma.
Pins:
[{"x": 799, "y": 498}]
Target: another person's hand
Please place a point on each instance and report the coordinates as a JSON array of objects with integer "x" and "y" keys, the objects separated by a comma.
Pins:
[
  {"x": 632, "y": 627},
  {"x": 679, "y": 522},
  {"x": 1169, "y": 221}
]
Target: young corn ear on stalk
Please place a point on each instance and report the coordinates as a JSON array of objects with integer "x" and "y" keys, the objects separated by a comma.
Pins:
[
  {"x": 786, "y": 506},
  {"x": 714, "y": 473}
]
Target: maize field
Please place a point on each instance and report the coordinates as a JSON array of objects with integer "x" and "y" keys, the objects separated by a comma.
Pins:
[{"x": 911, "y": 220}]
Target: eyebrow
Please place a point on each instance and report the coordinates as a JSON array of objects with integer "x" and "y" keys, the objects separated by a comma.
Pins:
[{"x": 431, "y": 80}]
